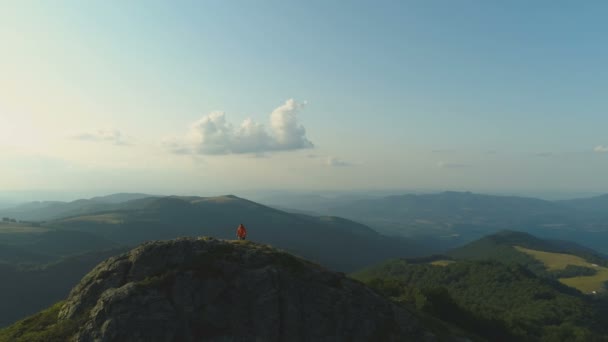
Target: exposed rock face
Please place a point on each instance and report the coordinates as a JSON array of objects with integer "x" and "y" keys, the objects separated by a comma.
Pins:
[{"x": 214, "y": 290}]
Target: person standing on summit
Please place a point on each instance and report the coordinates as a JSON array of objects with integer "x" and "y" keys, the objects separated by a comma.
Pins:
[{"x": 241, "y": 232}]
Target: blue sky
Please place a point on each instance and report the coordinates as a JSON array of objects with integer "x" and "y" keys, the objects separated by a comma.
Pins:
[{"x": 108, "y": 96}]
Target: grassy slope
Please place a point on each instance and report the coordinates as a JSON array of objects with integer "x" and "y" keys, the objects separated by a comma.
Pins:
[
  {"x": 25, "y": 291},
  {"x": 559, "y": 261},
  {"x": 20, "y": 228},
  {"x": 442, "y": 262},
  {"x": 499, "y": 247},
  {"x": 41, "y": 327}
]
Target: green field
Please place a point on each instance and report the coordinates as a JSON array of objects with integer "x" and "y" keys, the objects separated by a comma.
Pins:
[
  {"x": 16, "y": 228},
  {"x": 559, "y": 261},
  {"x": 442, "y": 262},
  {"x": 101, "y": 218}
]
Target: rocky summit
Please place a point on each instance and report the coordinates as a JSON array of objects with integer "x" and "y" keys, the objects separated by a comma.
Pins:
[{"x": 204, "y": 289}]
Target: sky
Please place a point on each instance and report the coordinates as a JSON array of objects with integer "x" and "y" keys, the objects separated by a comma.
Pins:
[{"x": 197, "y": 97}]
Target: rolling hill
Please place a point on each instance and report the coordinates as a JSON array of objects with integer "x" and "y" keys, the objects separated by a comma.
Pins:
[
  {"x": 30, "y": 244},
  {"x": 49, "y": 210},
  {"x": 456, "y": 218},
  {"x": 597, "y": 204},
  {"x": 506, "y": 286},
  {"x": 490, "y": 299},
  {"x": 450, "y": 212},
  {"x": 573, "y": 265},
  {"x": 499, "y": 246},
  {"x": 337, "y": 243}
]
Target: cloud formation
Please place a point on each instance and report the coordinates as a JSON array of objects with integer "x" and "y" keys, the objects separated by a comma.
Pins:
[
  {"x": 214, "y": 135},
  {"x": 601, "y": 149},
  {"x": 336, "y": 162},
  {"x": 110, "y": 136}
]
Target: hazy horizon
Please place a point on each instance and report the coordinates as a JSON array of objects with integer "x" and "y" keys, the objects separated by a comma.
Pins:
[
  {"x": 220, "y": 97},
  {"x": 10, "y": 199}
]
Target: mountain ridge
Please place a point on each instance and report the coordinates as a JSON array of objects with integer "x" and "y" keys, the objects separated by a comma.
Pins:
[
  {"x": 338, "y": 243},
  {"x": 193, "y": 289}
]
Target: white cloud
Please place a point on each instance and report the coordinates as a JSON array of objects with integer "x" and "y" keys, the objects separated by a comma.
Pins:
[
  {"x": 111, "y": 136},
  {"x": 336, "y": 162},
  {"x": 214, "y": 135},
  {"x": 601, "y": 149},
  {"x": 288, "y": 132}
]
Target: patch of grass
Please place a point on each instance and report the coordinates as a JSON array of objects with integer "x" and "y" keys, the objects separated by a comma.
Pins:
[
  {"x": 588, "y": 284},
  {"x": 41, "y": 327},
  {"x": 21, "y": 228},
  {"x": 554, "y": 261},
  {"x": 559, "y": 261},
  {"x": 112, "y": 218},
  {"x": 442, "y": 262}
]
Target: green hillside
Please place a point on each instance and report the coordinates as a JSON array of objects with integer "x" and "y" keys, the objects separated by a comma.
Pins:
[
  {"x": 571, "y": 264},
  {"x": 27, "y": 244},
  {"x": 337, "y": 243},
  {"x": 26, "y": 290},
  {"x": 500, "y": 246},
  {"x": 506, "y": 286},
  {"x": 491, "y": 299}
]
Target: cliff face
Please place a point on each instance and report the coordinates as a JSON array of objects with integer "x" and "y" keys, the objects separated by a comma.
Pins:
[{"x": 213, "y": 290}]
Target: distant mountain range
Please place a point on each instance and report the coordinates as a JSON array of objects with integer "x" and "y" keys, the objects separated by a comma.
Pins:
[
  {"x": 455, "y": 218},
  {"x": 597, "y": 204},
  {"x": 129, "y": 219},
  {"x": 444, "y": 220},
  {"x": 50, "y": 210}
]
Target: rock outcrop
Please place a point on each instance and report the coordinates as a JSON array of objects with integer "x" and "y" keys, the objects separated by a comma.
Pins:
[{"x": 213, "y": 290}]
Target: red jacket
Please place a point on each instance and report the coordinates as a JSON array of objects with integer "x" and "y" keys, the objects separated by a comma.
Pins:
[{"x": 241, "y": 231}]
